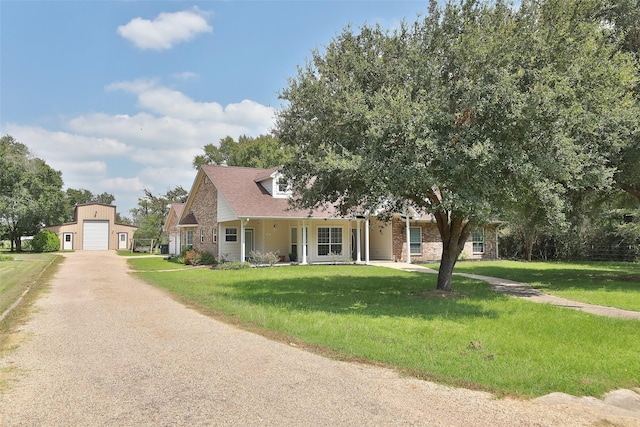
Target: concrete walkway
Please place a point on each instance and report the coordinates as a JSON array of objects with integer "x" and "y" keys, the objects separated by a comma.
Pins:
[{"x": 523, "y": 290}]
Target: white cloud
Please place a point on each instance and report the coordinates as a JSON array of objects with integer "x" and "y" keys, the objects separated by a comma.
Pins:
[
  {"x": 154, "y": 148},
  {"x": 166, "y": 30}
]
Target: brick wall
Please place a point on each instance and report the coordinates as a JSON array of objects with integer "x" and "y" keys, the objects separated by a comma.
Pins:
[
  {"x": 432, "y": 244},
  {"x": 205, "y": 208}
]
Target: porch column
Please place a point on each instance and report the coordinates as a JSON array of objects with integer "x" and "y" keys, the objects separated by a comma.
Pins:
[
  {"x": 304, "y": 243},
  {"x": 366, "y": 241},
  {"x": 242, "y": 241},
  {"x": 408, "y": 230},
  {"x": 358, "y": 245}
]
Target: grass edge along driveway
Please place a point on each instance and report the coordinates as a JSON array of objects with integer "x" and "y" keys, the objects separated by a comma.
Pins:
[
  {"x": 611, "y": 284},
  {"x": 473, "y": 337}
]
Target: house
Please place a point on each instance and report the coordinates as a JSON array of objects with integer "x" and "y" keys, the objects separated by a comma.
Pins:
[
  {"x": 171, "y": 227},
  {"x": 94, "y": 228},
  {"x": 231, "y": 211}
]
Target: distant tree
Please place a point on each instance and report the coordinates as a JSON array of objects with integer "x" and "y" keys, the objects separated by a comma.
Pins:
[
  {"x": 152, "y": 211},
  {"x": 460, "y": 114},
  {"x": 30, "y": 192},
  {"x": 623, "y": 17},
  {"x": 262, "y": 152}
]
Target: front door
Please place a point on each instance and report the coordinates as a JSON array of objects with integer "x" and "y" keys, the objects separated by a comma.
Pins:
[
  {"x": 67, "y": 241},
  {"x": 248, "y": 243}
]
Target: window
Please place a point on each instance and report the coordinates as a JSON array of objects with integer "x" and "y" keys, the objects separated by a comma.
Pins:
[
  {"x": 415, "y": 245},
  {"x": 214, "y": 236},
  {"x": 283, "y": 185},
  {"x": 231, "y": 234},
  {"x": 201, "y": 236},
  {"x": 329, "y": 241},
  {"x": 123, "y": 237},
  {"x": 477, "y": 237},
  {"x": 67, "y": 237},
  {"x": 190, "y": 238}
]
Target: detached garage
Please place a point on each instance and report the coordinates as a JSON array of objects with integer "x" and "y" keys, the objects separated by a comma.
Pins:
[
  {"x": 94, "y": 229},
  {"x": 95, "y": 235}
]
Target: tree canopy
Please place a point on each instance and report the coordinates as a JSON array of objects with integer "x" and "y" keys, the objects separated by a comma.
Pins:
[
  {"x": 152, "y": 211},
  {"x": 474, "y": 109},
  {"x": 30, "y": 192},
  {"x": 80, "y": 196},
  {"x": 263, "y": 151}
]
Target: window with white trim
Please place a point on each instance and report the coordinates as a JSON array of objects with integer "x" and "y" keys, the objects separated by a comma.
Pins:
[
  {"x": 477, "y": 238},
  {"x": 214, "y": 235},
  {"x": 415, "y": 244},
  {"x": 190, "y": 238},
  {"x": 231, "y": 234},
  {"x": 329, "y": 241}
]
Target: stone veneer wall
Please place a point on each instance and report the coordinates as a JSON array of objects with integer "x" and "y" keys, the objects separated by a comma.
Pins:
[
  {"x": 205, "y": 208},
  {"x": 432, "y": 244}
]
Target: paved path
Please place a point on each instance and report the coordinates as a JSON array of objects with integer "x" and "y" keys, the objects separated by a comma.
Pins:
[
  {"x": 522, "y": 290},
  {"x": 105, "y": 349}
]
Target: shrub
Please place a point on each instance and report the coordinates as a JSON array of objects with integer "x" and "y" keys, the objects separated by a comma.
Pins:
[
  {"x": 192, "y": 257},
  {"x": 207, "y": 258},
  {"x": 234, "y": 265},
  {"x": 45, "y": 241},
  {"x": 256, "y": 258}
]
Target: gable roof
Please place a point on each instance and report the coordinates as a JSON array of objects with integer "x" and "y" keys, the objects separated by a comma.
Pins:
[
  {"x": 241, "y": 189},
  {"x": 190, "y": 219}
]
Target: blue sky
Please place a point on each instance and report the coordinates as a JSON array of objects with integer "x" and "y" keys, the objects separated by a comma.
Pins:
[{"x": 121, "y": 95}]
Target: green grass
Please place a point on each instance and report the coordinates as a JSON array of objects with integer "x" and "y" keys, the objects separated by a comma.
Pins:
[
  {"x": 155, "y": 263},
  {"x": 19, "y": 273},
  {"x": 603, "y": 283},
  {"x": 126, "y": 252},
  {"x": 475, "y": 337}
]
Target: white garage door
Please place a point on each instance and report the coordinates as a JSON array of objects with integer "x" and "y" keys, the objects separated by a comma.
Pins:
[{"x": 95, "y": 236}]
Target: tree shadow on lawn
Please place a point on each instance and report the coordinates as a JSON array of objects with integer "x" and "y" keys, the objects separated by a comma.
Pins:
[
  {"x": 410, "y": 295},
  {"x": 624, "y": 277}
]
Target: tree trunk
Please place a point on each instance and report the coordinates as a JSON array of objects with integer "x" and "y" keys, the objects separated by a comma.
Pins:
[
  {"x": 528, "y": 249},
  {"x": 445, "y": 272},
  {"x": 454, "y": 233}
]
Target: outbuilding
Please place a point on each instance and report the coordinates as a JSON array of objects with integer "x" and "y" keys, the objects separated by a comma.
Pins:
[{"x": 94, "y": 228}]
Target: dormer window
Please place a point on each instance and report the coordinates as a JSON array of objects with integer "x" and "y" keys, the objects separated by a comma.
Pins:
[{"x": 283, "y": 186}]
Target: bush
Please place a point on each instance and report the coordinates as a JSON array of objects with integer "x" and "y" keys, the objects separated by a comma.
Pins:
[
  {"x": 192, "y": 257},
  {"x": 234, "y": 265},
  {"x": 45, "y": 241},
  {"x": 270, "y": 258},
  {"x": 195, "y": 257}
]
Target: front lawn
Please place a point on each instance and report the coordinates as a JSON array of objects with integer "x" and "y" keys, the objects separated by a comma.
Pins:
[
  {"x": 604, "y": 283},
  {"x": 19, "y": 272},
  {"x": 473, "y": 337}
]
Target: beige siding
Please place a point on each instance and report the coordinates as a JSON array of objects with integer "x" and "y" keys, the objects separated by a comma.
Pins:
[
  {"x": 93, "y": 212},
  {"x": 225, "y": 213},
  {"x": 380, "y": 240}
]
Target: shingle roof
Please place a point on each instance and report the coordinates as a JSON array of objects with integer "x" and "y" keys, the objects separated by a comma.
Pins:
[
  {"x": 190, "y": 219},
  {"x": 178, "y": 208},
  {"x": 241, "y": 189}
]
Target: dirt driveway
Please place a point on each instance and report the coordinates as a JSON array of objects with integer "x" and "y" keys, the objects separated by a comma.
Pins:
[{"x": 106, "y": 349}]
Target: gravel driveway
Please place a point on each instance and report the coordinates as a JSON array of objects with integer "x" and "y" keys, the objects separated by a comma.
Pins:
[{"x": 104, "y": 348}]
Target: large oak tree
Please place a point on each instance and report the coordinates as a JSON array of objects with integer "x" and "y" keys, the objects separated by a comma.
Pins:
[
  {"x": 474, "y": 109},
  {"x": 30, "y": 192}
]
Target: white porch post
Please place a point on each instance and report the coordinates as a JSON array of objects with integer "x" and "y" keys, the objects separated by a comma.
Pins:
[
  {"x": 408, "y": 230},
  {"x": 366, "y": 241},
  {"x": 242, "y": 242},
  {"x": 304, "y": 243},
  {"x": 358, "y": 245}
]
